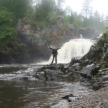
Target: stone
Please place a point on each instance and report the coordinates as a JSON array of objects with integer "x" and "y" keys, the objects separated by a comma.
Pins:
[
  {"x": 89, "y": 71},
  {"x": 105, "y": 78},
  {"x": 73, "y": 61},
  {"x": 52, "y": 75},
  {"x": 69, "y": 97},
  {"x": 86, "y": 71},
  {"x": 97, "y": 86}
]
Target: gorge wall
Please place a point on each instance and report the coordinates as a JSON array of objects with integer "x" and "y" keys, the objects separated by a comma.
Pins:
[
  {"x": 37, "y": 39},
  {"x": 34, "y": 40}
]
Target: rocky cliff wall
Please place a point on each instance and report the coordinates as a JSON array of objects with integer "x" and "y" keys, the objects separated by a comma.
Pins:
[
  {"x": 37, "y": 39},
  {"x": 51, "y": 34}
]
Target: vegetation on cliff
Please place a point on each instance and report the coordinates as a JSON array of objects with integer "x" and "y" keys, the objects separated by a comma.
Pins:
[{"x": 98, "y": 53}]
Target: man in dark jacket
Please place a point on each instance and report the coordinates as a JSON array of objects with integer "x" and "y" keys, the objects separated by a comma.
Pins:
[{"x": 54, "y": 53}]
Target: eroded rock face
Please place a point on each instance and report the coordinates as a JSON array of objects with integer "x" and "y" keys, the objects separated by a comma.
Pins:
[
  {"x": 52, "y": 34},
  {"x": 37, "y": 40}
]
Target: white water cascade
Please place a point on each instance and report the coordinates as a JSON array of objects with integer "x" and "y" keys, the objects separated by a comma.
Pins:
[{"x": 75, "y": 48}]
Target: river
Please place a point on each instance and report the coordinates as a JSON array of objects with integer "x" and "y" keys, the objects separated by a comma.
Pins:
[{"x": 19, "y": 89}]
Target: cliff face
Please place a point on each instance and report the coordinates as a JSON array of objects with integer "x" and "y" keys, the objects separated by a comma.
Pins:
[
  {"x": 51, "y": 35},
  {"x": 36, "y": 40}
]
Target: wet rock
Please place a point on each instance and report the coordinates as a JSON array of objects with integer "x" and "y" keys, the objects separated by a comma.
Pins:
[
  {"x": 86, "y": 71},
  {"x": 40, "y": 69},
  {"x": 73, "y": 61},
  {"x": 76, "y": 66},
  {"x": 73, "y": 69},
  {"x": 51, "y": 67},
  {"x": 102, "y": 73},
  {"x": 41, "y": 76},
  {"x": 56, "y": 73},
  {"x": 89, "y": 71},
  {"x": 70, "y": 69},
  {"x": 25, "y": 78},
  {"x": 52, "y": 75},
  {"x": 105, "y": 78},
  {"x": 97, "y": 86},
  {"x": 49, "y": 73},
  {"x": 65, "y": 67},
  {"x": 68, "y": 97},
  {"x": 61, "y": 67}
]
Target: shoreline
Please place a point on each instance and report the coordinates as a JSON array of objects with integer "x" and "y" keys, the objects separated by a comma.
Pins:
[{"x": 96, "y": 99}]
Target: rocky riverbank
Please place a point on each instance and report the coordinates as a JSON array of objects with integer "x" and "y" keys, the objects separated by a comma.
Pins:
[
  {"x": 91, "y": 71},
  {"x": 60, "y": 72},
  {"x": 94, "y": 71},
  {"x": 96, "y": 99}
]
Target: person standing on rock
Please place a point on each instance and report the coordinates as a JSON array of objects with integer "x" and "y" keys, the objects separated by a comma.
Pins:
[{"x": 54, "y": 53}]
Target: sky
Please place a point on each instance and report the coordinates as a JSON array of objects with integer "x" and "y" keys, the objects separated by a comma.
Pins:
[{"x": 97, "y": 5}]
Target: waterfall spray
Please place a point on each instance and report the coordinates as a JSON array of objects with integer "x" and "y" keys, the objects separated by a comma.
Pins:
[{"x": 75, "y": 48}]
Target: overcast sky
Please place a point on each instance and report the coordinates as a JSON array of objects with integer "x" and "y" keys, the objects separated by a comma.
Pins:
[{"x": 100, "y": 5}]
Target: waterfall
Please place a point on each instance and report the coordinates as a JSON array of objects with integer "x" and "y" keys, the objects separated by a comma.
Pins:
[{"x": 75, "y": 48}]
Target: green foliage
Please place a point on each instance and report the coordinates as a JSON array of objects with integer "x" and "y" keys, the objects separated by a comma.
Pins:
[
  {"x": 77, "y": 20},
  {"x": 94, "y": 21},
  {"x": 103, "y": 39},
  {"x": 7, "y": 24},
  {"x": 18, "y": 7},
  {"x": 52, "y": 19},
  {"x": 66, "y": 20},
  {"x": 45, "y": 12},
  {"x": 10, "y": 12},
  {"x": 7, "y": 29}
]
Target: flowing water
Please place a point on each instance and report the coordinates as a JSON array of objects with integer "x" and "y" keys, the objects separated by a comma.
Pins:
[
  {"x": 19, "y": 89},
  {"x": 75, "y": 48}
]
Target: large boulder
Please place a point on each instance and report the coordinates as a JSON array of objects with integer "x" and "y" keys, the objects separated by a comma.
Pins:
[{"x": 89, "y": 71}]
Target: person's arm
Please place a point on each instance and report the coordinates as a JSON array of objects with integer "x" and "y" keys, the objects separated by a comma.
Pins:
[{"x": 50, "y": 48}]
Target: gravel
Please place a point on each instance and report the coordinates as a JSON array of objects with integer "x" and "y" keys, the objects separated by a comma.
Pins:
[{"x": 96, "y": 99}]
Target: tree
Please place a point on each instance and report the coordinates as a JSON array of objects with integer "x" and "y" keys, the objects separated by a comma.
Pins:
[
  {"x": 86, "y": 11},
  {"x": 44, "y": 10},
  {"x": 18, "y": 7},
  {"x": 7, "y": 29},
  {"x": 60, "y": 3},
  {"x": 7, "y": 23}
]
